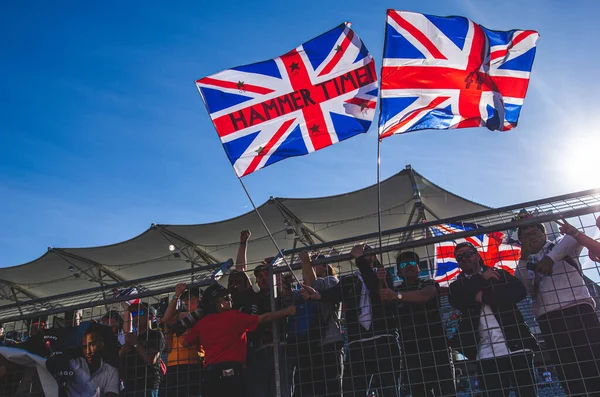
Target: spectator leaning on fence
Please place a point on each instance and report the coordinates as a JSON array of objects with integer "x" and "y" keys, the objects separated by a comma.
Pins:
[
  {"x": 425, "y": 352},
  {"x": 563, "y": 307},
  {"x": 261, "y": 364},
  {"x": 183, "y": 363},
  {"x": 223, "y": 334},
  {"x": 315, "y": 340},
  {"x": 374, "y": 354},
  {"x": 492, "y": 329},
  {"x": 140, "y": 354}
]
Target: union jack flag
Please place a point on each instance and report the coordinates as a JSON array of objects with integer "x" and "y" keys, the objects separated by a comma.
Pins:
[
  {"x": 494, "y": 248},
  {"x": 449, "y": 72},
  {"x": 318, "y": 94}
]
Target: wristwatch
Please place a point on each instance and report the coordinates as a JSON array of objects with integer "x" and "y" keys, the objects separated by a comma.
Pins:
[{"x": 399, "y": 296}]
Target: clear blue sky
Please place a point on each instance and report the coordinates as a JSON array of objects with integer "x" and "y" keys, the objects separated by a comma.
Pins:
[{"x": 102, "y": 131}]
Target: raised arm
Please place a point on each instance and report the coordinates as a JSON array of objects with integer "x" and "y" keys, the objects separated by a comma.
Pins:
[
  {"x": 170, "y": 315},
  {"x": 308, "y": 272},
  {"x": 241, "y": 260},
  {"x": 592, "y": 245}
]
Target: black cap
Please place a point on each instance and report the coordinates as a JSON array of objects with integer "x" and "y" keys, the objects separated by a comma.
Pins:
[
  {"x": 259, "y": 269},
  {"x": 210, "y": 295},
  {"x": 463, "y": 245}
]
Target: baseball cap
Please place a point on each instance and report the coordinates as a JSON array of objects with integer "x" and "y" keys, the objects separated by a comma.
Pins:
[
  {"x": 210, "y": 295},
  {"x": 463, "y": 245}
]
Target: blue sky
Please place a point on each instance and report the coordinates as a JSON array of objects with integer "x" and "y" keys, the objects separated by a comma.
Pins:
[{"x": 102, "y": 131}]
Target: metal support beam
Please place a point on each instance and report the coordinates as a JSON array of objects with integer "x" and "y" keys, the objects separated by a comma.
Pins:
[
  {"x": 64, "y": 254},
  {"x": 307, "y": 234},
  {"x": 14, "y": 287},
  {"x": 206, "y": 257},
  {"x": 417, "y": 195}
]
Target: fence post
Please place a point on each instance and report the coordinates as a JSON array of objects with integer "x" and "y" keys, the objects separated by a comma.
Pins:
[{"x": 275, "y": 329}]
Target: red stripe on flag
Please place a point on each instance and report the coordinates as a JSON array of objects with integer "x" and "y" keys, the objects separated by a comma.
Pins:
[
  {"x": 338, "y": 55},
  {"x": 417, "y": 34},
  {"x": 516, "y": 40},
  {"x": 432, "y": 105},
  {"x": 228, "y": 84},
  {"x": 362, "y": 102},
  {"x": 274, "y": 139}
]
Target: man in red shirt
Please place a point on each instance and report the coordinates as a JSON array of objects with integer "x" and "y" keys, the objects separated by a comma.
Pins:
[{"x": 222, "y": 333}]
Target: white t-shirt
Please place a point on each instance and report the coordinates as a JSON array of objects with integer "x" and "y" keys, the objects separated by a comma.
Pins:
[{"x": 104, "y": 380}]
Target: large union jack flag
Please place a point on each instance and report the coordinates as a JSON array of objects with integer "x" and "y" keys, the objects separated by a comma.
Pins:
[
  {"x": 441, "y": 73},
  {"x": 318, "y": 94},
  {"x": 494, "y": 248}
]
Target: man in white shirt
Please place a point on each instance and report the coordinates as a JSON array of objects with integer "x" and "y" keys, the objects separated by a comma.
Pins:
[
  {"x": 86, "y": 375},
  {"x": 563, "y": 307},
  {"x": 492, "y": 329}
]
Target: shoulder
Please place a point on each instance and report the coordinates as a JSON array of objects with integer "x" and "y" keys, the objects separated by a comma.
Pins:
[
  {"x": 77, "y": 363},
  {"x": 325, "y": 282},
  {"x": 109, "y": 369},
  {"x": 426, "y": 282}
]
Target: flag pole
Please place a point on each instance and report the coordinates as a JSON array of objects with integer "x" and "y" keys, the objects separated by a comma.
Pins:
[
  {"x": 267, "y": 229},
  {"x": 379, "y": 196},
  {"x": 253, "y": 205}
]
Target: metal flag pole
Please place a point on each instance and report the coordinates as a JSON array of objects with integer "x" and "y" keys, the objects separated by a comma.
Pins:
[
  {"x": 379, "y": 195},
  {"x": 267, "y": 230},
  {"x": 254, "y": 206}
]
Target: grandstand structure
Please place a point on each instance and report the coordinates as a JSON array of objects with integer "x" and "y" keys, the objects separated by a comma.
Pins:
[{"x": 153, "y": 262}]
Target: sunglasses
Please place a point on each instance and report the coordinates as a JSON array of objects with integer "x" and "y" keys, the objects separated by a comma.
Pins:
[
  {"x": 402, "y": 265},
  {"x": 466, "y": 255},
  {"x": 138, "y": 313}
]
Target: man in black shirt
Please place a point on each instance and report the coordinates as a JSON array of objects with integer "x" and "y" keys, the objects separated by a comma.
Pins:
[
  {"x": 492, "y": 329},
  {"x": 425, "y": 353},
  {"x": 140, "y": 354}
]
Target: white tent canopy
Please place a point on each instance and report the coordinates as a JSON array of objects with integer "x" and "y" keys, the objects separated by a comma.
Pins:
[{"x": 406, "y": 198}]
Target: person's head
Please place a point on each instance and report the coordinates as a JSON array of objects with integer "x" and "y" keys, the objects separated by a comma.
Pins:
[
  {"x": 370, "y": 254},
  {"x": 534, "y": 236},
  {"x": 261, "y": 273},
  {"x": 238, "y": 282},
  {"x": 407, "y": 264},
  {"x": 92, "y": 345},
  {"x": 467, "y": 257},
  {"x": 323, "y": 269},
  {"x": 216, "y": 299},
  {"x": 191, "y": 298},
  {"x": 141, "y": 315},
  {"x": 36, "y": 327},
  {"x": 114, "y": 320},
  {"x": 73, "y": 318}
]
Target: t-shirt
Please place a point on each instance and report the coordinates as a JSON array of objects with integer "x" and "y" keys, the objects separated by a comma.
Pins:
[
  {"x": 421, "y": 321},
  {"x": 104, "y": 380},
  {"x": 329, "y": 311},
  {"x": 261, "y": 304},
  {"x": 180, "y": 355},
  {"x": 139, "y": 376},
  {"x": 223, "y": 336}
]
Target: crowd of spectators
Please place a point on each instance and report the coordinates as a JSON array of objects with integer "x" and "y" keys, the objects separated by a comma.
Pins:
[{"x": 353, "y": 335}]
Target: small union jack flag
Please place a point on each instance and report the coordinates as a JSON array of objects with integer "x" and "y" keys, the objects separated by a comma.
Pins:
[
  {"x": 318, "y": 94},
  {"x": 493, "y": 248},
  {"x": 441, "y": 73}
]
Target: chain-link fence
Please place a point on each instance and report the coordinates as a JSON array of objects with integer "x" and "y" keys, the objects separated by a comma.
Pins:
[{"x": 491, "y": 303}]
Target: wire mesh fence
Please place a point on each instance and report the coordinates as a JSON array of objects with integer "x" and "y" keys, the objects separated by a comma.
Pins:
[{"x": 492, "y": 303}]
